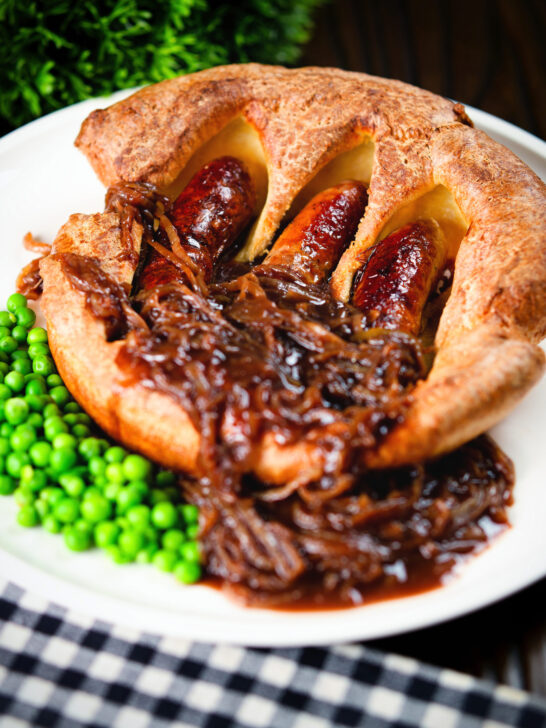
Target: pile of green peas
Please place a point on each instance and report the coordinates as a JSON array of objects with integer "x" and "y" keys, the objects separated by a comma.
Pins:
[{"x": 68, "y": 478}]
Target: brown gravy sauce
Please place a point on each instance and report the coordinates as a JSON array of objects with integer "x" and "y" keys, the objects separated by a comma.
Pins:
[
  {"x": 277, "y": 352},
  {"x": 405, "y": 579}
]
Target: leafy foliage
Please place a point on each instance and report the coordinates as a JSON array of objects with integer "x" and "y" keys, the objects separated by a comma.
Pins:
[{"x": 56, "y": 52}]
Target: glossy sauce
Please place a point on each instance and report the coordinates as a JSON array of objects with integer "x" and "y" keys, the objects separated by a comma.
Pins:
[{"x": 273, "y": 352}]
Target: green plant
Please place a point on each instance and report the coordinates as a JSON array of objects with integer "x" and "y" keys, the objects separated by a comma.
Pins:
[{"x": 56, "y": 52}]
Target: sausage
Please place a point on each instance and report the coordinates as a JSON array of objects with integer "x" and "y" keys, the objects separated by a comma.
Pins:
[
  {"x": 314, "y": 241},
  {"x": 209, "y": 215},
  {"x": 394, "y": 284}
]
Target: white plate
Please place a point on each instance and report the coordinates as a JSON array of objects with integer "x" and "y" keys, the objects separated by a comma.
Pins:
[{"x": 43, "y": 179}]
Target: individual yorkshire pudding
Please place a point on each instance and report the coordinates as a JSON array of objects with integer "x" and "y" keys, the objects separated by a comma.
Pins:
[{"x": 299, "y": 132}]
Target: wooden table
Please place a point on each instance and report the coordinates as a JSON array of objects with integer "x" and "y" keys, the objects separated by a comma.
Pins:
[
  {"x": 486, "y": 53},
  {"x": 489, "y": 54}
]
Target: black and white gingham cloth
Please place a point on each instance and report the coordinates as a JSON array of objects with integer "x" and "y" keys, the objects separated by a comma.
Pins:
[{"x": 62, "y": 670}]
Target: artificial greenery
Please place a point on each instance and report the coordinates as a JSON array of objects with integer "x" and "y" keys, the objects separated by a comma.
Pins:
[{"x": 56, "y": 52}]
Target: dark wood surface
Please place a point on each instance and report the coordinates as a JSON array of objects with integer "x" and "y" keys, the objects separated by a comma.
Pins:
[{"x": 489, "y": 54}]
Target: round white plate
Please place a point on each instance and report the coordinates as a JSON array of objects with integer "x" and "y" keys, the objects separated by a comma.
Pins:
[{"x": 43, "y": 179}]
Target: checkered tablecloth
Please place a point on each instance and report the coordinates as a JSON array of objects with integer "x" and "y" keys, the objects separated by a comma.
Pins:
[{"x": 61, "y": 669}]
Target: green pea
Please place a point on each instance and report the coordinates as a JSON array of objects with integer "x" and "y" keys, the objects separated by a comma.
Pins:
[
  {"x": 22, "y": 438},
  {"x": 190, "y": 513},
  {"x": 63, "y": 439},
  {"x": 190, "y": 551},
  {"x": 72, "y": 408},
  {"x": 188, "y": 572},
  {"x": 139, "y": 517},
  {"x": 164, "y": 560},
  {"x": 51, "y": 410},
  {"x": 16, "y": 410},
  {"x": 60, "y": 395},
  {"x": 36, "y": 350},
  {"x": 141, "y": 486},
  {"x": 117, "y": 555},
  {"x": 41, "y": 365},
  {"x": 96, "y": 466},
  {"x": 25, "y": 317},
  {"x": 23, "y": 366},
  {"x": 36, "y": 481},
  {"x": 5, "y": 392},
  {"x": 36, "y": 386},
  {"x": 8, "y": 344},
  {"x": 157, "y": 496},
  {"x": 52, "y": 494},
  {"x": 54, "y": 380},
  {"x": 19, "y": 333},
  {"x": 192, "y": 532},
  {"x": 111, "y": 490},
  {"x": 7, "y": 319},
  {"x": 89, "y": 447},
  {"x": 84, "y": 419},
  {"x": 15, "y": 381},
  {"x": 81, "y": 431},
  {"x": 4, "y": 331},
  {"x": 127, "y": 497},
  {"x": 37, "y": 335},
  {"x": 165, "y": 478},
  {"x": 27, "y": 516},
  {"x": 67, "y": 510},
  {"x": 5, "y": 447},
  {"x": 35, "y": 419},
  {"x": 164, "y": 515},
  {"x": 4, "y": 368},
  {"x": 146, "y": 555},
  {"x": 15, "y": 301},
  {"x": 130, "y": 542},
  {"x": 135, "y": 467},
  {"x": 106, "y": 533},
  {"x": 42, "y": 508},
  {"x": 51, "y": 524},
  {"x": 70, "y": 419},
  {"x": 115, "y": 454},
  {"x": 7, "y": 485},
  {"x": 73, "y": 484},
  {"x": 152, "y": 535},
  {"x": 114, "y": 473},
  {"x": 6, "y": 429},
  {"x": 101, "y": 482},
  {"x": 62, "y": 459},
  {"x": 54, "y": 426},
  {"x": 19, "y": 354},
  {"x": 172, "y": 540},
  {"x": 15, "y": 462},
  {"x": 35, "y": 403},
  {"x": 24, "y": 496},
  {"x": 39, "y": 453},
  {"x": 76, "y": 539},
  {"x": 95, "y": 509}
]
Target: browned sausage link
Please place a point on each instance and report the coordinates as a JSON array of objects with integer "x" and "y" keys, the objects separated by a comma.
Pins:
[
  {"x": 316, "y": 238},
  {"x": 158, "y": 271},
  {"x": 209, "y": 215},
  {"x": 395, "y": 282},
  {"x": 213, "y": 210}
]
